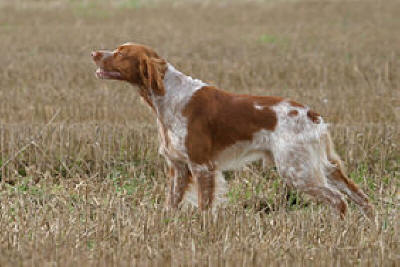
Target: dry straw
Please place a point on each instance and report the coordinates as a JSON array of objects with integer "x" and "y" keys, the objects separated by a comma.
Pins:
[{"x": 82, "y": 183}]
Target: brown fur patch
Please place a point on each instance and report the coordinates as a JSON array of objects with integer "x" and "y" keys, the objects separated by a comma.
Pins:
[
  {"x": 342, "y": 208},
  {"x": 180, "y": 178},
  {"x": 339, "y": 176},
  {"x": 295, "y": 104},
  {"x": 206, "y": 189},
  {"x": 293, "y": 113},
  {"x": 325, "y": 194},
  {"x": 218, "y": 119},
  {"x": 314, "y": 116}
]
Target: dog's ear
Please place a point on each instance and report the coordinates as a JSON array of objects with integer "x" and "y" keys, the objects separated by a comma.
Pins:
[{"x": 152, "y": 74}]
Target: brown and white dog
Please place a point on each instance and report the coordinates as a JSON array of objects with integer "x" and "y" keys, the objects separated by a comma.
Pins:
[{"x": 204, "y": 130}]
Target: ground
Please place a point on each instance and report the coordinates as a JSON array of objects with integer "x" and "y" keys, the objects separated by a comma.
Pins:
[{"x": 82, "y": 183}]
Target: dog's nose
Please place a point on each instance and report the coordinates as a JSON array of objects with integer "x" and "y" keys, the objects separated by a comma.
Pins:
[{"x": 95, "y": 55}]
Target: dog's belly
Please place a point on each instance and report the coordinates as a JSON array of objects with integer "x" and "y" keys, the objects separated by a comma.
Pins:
[
  {"x": 234, "y": 161},
  {"x": 245, "y": 152}
]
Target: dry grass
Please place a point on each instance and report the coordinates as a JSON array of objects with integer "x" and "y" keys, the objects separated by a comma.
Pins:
[{"x": 88, "y": 187}]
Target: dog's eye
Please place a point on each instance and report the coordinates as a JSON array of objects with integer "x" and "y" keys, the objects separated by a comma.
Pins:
[{"x": 118, "y": 54}]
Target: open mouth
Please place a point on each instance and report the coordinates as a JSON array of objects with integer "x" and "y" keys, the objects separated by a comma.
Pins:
[{"x": 103, "y": 74}]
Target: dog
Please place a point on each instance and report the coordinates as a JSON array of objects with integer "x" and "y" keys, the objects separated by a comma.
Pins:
[{"x": 204, "y": 130}]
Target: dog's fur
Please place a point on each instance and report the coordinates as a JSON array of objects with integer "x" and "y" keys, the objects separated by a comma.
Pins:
[{"x": 204, "y": 130}]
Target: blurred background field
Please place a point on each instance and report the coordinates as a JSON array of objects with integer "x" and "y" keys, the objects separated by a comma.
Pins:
[{"x": 81, "y": 180}]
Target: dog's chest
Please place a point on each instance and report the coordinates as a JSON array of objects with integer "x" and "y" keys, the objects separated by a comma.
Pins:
[
  {"x": 172, "y": 125},
  {"x": 172, "y": 135}
]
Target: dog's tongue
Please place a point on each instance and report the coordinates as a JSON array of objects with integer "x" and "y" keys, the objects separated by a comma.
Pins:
[{"x": 102, "y": 74}]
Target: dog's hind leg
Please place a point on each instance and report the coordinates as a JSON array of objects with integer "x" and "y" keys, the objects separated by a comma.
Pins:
[
  {"x": 328, "y": 195},
  {"x": 337, "y": 178},
  {"x": 302, "y": 168}
]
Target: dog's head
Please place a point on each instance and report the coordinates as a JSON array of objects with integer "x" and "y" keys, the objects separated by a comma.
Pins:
[{"x": 134, "y": 63}]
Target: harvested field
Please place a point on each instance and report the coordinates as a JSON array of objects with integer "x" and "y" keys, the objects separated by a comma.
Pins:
[{"x": 82, "y": 183}]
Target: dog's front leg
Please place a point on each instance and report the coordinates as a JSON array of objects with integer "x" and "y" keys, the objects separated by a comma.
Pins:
[
  {"x": 180, "y": 177},
  {"x": 206, "y": 187}
]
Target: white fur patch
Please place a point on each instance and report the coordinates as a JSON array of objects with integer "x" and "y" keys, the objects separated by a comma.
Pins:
[
  {"x": 258, "y": 107},
  {"x": 179, "y": 89}
]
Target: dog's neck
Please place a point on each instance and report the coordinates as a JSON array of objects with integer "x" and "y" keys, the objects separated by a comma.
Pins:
[{"x": 179, "y": 88}]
